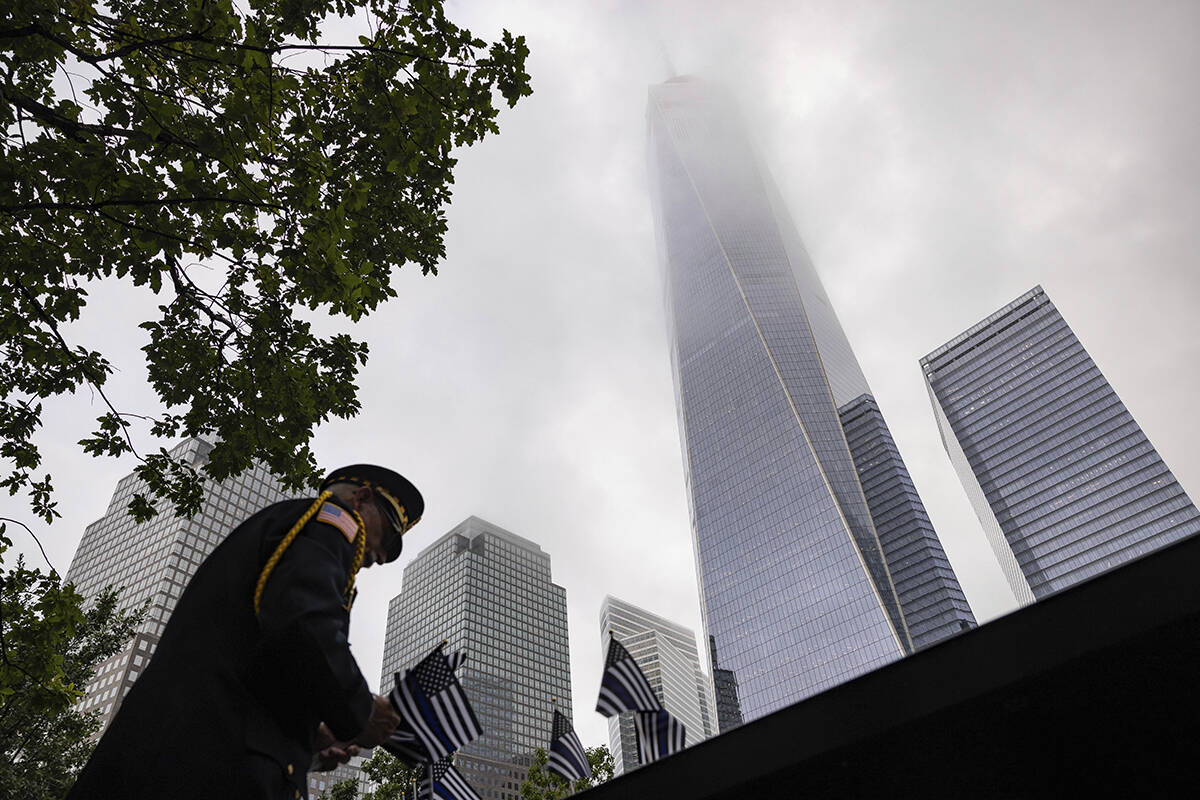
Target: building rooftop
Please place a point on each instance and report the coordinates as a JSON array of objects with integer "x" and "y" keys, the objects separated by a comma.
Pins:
[
  {"x": 473, "y": 526},
  {"x": 927, "y": 362}
]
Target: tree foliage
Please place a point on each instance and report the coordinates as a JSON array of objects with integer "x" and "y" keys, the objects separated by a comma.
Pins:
[
  {"x": 49, "y": 649},
  {"x": 542, "y": 784},
  {"x": 245, "y": 167},
  {"x": 393, "y": 779},
  {"x": 342, "y": 790}
]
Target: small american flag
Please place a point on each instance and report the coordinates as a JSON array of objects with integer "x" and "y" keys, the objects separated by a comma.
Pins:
[
  {"x": 443, "y": 782},
  {"x": 332, "y": 515},
  {"x": 658, "y": 735},
  {"x": 623, "y": 686},
  {"x": 437, "y": 718},
  {"x": 567, "y": 757}
]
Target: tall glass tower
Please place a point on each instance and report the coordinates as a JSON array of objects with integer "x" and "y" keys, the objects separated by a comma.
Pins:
[
  {"x": 153, "y": 562},
  {"x": 933, "y": 603},
  {"x": 666, "y": 653},
  {"x": 489, "y": 591},
  {"x": 795, "y": 589},
  {"x": 1063, "y": 480}
]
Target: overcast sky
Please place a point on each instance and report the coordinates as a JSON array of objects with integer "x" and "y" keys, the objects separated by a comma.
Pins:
[{"x": 940, "y": 159}]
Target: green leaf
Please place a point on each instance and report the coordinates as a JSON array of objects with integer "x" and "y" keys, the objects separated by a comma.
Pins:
[
  {"x": 241, "y": 188},
  {"x": 52, "y": 646}
]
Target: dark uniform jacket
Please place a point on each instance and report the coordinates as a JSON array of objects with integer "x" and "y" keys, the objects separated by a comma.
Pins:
[{"x": 229, "y": 705}]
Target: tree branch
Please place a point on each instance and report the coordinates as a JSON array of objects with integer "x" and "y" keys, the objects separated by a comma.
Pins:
[
  {"x": 3, "y": 647},
  {"x": 164, "y": 201},
  {"x": 35, "y": 539},
  {"x": 139, "y": 42},
  {"x": 95, "y": 59},
  {"x": 66, "y": 348},
  {"x": 73, "y": 128},
  {"x": 199, "y": 247},
  {"x": 178, "y": 276}
]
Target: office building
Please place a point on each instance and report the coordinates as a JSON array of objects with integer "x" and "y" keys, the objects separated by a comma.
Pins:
[
  {"x": 322, "y": 783},
  {"x": 934, "y": 605},
  {"x": 1063, "y": 480},
  {"x": 795, "y": 590},
  {"x": 154, "y": 560},
  {"x": 490, "y": 592},
  {"x": 725, "y": 690},
  {"x": 666, "y": 653}
]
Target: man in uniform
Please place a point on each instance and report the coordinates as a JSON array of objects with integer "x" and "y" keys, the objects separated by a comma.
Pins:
[{"x": 253, "y": 680}]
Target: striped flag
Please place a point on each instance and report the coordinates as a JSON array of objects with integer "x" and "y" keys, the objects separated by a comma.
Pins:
[
  {"x": 443, "y": 782},
  {"x": 623, "y": 686},
  {"x": 437, "y": 718},
  {"x": 403, "y": 745},
  {"x": 658, "y": 735},
  {"x": 567, "y": 757}
]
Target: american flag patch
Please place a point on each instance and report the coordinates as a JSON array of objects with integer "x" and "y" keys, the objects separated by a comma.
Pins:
[{"x": 332, "y": 515}]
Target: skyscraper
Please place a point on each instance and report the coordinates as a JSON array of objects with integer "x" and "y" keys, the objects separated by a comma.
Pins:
[
  {"x": 666, "y": 653},
  {"x": 795, "y": 590},
  {"x": 489, "y": 591},
  {"x": 153, "y": 561},
  {"x": 725, "y": 691},
  {"x": 1063, "y": 480},
  {"x": 320, "y": 783},
  {"x": 933, "y": 603}
]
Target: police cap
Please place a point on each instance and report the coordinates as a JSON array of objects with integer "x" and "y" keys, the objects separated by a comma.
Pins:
[{"x": 402, "y": 504}]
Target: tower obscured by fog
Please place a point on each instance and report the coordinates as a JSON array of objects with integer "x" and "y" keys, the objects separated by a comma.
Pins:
[
  {"x": 1062, "y": 478},
  {"x": 490, "y": 592},
  {"x": 666, "y": 653},
  {"x": 796, "y": 591}
]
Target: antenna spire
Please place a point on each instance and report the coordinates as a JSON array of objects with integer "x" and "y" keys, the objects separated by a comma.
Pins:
[{"x": 667, "y": 63}]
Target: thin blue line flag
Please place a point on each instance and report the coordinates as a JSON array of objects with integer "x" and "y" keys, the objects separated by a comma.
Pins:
[
  {"x": 443, "y": 782},
  {"x": 658, "y": 735},
  {"x": 623, "y": 687},
  {"x": 436, "y": 717},
  {"x": 567, "y": 757}
]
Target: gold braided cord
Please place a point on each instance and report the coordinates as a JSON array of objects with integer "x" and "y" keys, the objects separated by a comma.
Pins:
[
  {"x": 404, "y": 523},
  {"x": 359, "y": 539},
  {"x": 360, "y": 547}
]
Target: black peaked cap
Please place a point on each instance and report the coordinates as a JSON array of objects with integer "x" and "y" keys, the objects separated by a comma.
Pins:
[{"x": 391, "y": 482}]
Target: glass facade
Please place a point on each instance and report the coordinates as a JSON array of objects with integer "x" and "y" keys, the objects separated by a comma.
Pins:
[
  {"x": 667, "y": 655},
  {"x": 794, "y": 588},
  {"x": 153, "y": 561},
  {"x": 933, "y": 602},
  {"x": 725, "y": 688},
  {"x": 488, "y": 591},
  {"x": 1064, "y": 481},
  {"x": 845, "y": 376}
]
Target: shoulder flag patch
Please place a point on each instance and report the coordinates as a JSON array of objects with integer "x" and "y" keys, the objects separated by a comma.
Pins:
[{"x": 340, "y": 519}]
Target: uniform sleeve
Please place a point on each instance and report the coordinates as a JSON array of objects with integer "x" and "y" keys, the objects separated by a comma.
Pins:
[{"x": 305, "y": 628}]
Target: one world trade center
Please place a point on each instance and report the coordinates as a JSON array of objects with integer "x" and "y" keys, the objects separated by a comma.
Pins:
[{"x": 815, "y": 558}]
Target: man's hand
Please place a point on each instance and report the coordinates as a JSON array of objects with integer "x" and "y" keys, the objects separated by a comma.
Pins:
[
  {"x": 331, "y": 752},
  {"x": 383, "y": 721}
]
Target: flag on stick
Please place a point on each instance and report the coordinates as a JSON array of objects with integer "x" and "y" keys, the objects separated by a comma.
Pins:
[
  {"x": 403, "y": 745},
  {"x": 443, "y": 782},
  {"x": 567, "y": 757},
  {"x": 658, "y": 735},
  {"x": 437, "y": 718},
  {"x": 623, "y": 686}
]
